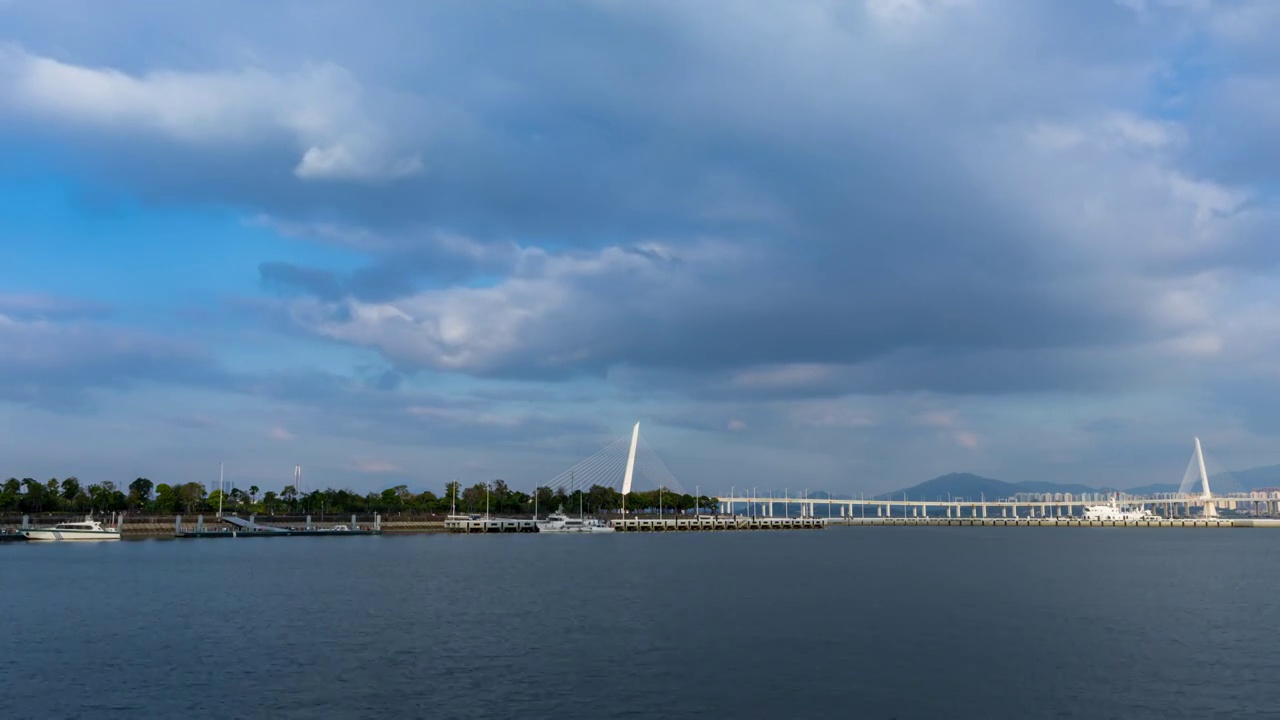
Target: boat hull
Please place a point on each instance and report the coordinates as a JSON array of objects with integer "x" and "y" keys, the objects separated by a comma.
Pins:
[{"x": 51, "y": 535}]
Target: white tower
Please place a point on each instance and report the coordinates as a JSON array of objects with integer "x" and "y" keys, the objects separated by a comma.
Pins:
[
  {"x": 1210, "y": 510},
  {"x": 631, "y": 467}
]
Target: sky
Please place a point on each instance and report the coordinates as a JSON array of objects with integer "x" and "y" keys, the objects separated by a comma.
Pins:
[{"x": 836, "y": 245}]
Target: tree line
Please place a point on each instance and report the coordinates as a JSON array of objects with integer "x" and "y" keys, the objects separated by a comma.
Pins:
[{"x": 144, "y": 496}]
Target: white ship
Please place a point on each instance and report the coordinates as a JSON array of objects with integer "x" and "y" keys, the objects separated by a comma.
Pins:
[
  {"x": 88, "y": 530},
  {"x": 1119, "y": 514},
  {"x": 558, "y": 522}
]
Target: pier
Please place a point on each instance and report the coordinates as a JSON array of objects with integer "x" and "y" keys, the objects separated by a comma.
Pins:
[
  {"x": 489, "y": 525},
  {"x": 1052, "y": 522},
  {"x": 711, "y": 523},
  {"x": 237, "y": 527},
  {"x": 703, "y": 523}
]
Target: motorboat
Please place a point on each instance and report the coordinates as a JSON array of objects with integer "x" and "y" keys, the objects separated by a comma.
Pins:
[
  {"x": 87, "y": 530},
  {"x": 1117, "y": 514},
  {"x": 558, "y": 522}
]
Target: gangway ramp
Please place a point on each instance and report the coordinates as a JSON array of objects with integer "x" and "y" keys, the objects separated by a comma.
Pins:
[{"x": 249, "y": 525}]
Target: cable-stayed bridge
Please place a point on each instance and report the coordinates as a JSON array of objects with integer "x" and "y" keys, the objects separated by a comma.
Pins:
[
  {"x": 1205, "y": 488},
  {"x": 625, "y": 464},
  {"x": 629, "y": 464}
]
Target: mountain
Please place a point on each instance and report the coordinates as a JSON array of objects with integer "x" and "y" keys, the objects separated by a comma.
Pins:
[
  {"x": 966, "y": 485},
  {"x": 1255, "y": 478},
  {"x": 1154, "y": 488}
]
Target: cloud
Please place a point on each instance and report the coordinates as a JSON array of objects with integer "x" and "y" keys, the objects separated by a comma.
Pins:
[
  {"x": 57, "y": 362},
  {"x": 366, "y": 465},
  {"x": 364, "y": 406},
  {"x": 281, "y": 434},
  {"x": 320, "y": 108},
  {"x": 38, "y": 306}
]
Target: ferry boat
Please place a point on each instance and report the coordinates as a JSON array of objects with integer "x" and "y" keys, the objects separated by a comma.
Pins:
[
  {"x": 1118, "y": 514},
  {"x": 88, "y": 530},
  {"x": 558, "y": 522}
]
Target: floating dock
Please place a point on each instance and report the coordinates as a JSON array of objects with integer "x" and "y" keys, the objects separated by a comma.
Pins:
[
  {"x": 711, "y": 523},
  {"x": 705, "y": 523},
  {"x": 489, "y": 525},
  {"x": 1059, "y": 522},
  {"x": 242, "y": 528}
]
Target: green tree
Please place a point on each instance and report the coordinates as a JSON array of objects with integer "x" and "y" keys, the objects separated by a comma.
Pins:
[
  {"x": 253, "y": 494},
  {"x": 33, "y": 499},
  {"x": 140, "y": 492},
  {"x": 452, "y": 494},
  {"x": 191, "y": 496},
  {"x": 167, "y": 498},
  {"x": 9, "y": 493},
  {"x": 51, "y": 495},
  {"x": 290, "y": 497},
  {"x": 427, "y": 502},
  {"x": 473, "y": 498},
  {"x": 95, "y": 497},
  {"x": 269, "y": 501},
  {"x": 70, "y": 489}
]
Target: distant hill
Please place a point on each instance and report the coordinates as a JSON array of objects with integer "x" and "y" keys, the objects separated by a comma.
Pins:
[
  {"x": 966, "y": 485},
  {"x": 1254, "y": 478},
  {"x": 970, "y": 486},
  {"x": 1154, "y": 488}
]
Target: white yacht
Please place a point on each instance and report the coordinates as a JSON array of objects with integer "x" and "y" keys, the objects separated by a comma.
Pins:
[
  {"x": 1119, "y": 514},
  {"x": 87, "y": 530},
  {"x": 558, "y": 522}
]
